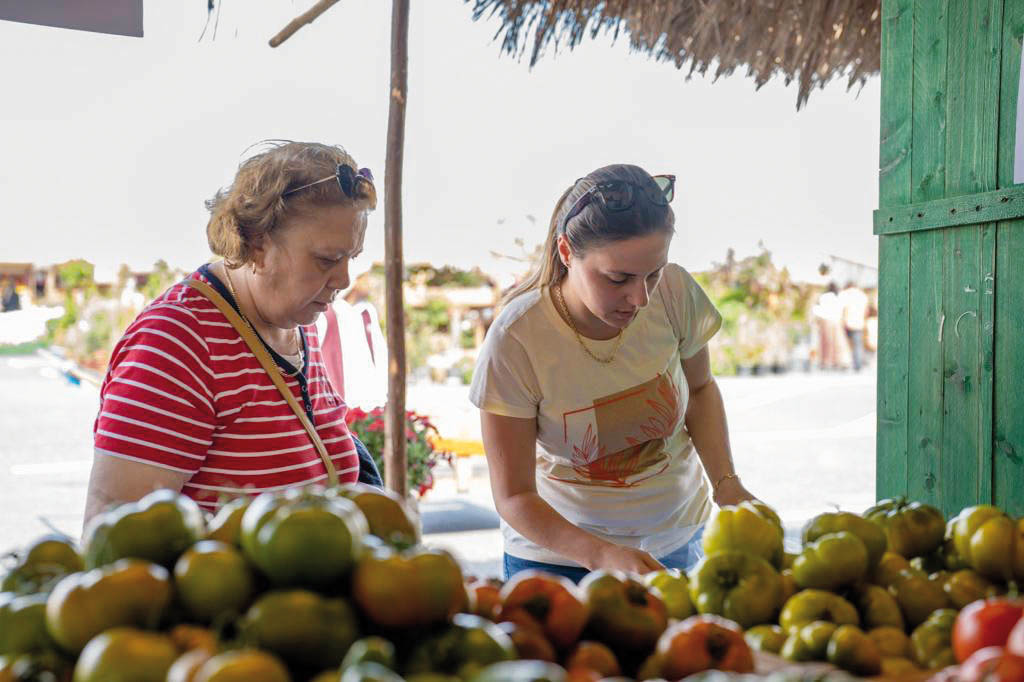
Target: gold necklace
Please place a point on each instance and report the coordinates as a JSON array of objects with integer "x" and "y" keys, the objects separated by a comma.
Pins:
[
  {"x": 296, "y": 358},
  {"x": 568, "y": 318}
]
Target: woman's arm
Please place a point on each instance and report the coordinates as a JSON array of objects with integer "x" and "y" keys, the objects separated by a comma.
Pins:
[
  {"x": 705, "y": 420},
  {"x": 114, "y": 480},
  {"x": 510, "y": 444}
]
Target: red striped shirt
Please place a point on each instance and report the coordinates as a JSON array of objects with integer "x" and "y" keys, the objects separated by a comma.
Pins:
[{"x": 184, "y": 392}]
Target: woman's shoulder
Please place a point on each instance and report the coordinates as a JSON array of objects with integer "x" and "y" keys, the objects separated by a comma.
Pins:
[
  {"x": 180, "y": 311},
  {"x": 680, "y": 283},
  {"x": 678, "y": 275},
  {"x": 519, "y": 311}
]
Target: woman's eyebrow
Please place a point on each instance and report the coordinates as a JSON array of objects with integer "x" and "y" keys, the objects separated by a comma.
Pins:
[
  {"x": 632, "y": 274},
  {"x": 338, "y": 253}
]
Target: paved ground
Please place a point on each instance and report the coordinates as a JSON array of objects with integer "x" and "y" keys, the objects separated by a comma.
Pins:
[{"x": 803, "y": 442}]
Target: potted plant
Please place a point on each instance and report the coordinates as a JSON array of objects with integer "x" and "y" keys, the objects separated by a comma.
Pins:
[{"x": 420, "y": 451}]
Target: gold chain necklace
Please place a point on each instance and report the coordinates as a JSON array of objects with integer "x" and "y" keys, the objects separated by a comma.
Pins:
[
  {"x": 568, "y": 318},
  {"x": 297, "y": 358}
]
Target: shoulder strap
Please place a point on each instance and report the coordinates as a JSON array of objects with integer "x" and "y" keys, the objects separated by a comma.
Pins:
[{"x": 256, "y": 346}]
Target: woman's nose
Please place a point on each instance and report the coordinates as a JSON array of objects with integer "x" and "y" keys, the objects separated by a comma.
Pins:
[
  {"x": 639, "y": 296},
  {"x": 339, "y": 279}
]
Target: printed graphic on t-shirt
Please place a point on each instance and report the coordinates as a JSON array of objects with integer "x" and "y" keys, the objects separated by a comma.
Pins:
[{"x": 619, "y": 440}]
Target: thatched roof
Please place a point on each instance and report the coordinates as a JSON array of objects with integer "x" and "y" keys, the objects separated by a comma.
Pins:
[{"x": 808, "y": 41}]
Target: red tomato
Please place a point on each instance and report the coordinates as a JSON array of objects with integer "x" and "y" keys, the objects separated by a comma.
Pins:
[
  {"x": 992, "y": 664},
  {"x": 984, "y": 623},
  {"x": 1015, "y": 643}
]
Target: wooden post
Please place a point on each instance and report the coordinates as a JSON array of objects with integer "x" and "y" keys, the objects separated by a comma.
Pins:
[{"x": 394, "y": 436}]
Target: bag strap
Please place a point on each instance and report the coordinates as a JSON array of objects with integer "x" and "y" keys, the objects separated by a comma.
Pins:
[{"x": 271, "y": 368}]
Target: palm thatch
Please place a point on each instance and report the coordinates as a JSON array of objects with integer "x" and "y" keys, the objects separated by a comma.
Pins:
[{"x": 808, "y": 41}]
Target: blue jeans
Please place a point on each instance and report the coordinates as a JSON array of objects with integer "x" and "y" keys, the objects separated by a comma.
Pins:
[
  {"x": 683, "y": 558},
  {"x": 856, "y": 337}
]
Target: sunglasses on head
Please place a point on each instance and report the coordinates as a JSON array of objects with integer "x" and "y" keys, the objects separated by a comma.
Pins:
[
  {"x": 347, "y": 178},
  {"x": 620, "y": 195}
]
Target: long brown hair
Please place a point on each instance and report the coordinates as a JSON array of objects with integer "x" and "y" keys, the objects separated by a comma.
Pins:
[{"x": 594, "y": 226}]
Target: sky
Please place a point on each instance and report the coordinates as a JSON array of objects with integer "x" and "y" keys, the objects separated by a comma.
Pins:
[{"x": 110, "y": 145}]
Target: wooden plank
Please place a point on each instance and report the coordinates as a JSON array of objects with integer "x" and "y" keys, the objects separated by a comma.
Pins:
[
  {"x": 1008, "y": 427},
  {"x": 894, "y": 251},
  {"x": 966, "y": 209},
  {"x": 394, "y": 433},
  {"x": 975, "y": 31},
  {"x": 986, "y": 365},
  {"x": 928, "y": 182},
  {"x": 1008, "y": 415}
]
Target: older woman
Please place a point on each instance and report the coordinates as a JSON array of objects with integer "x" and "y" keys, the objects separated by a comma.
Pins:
[{"x": 186, "y": 403}]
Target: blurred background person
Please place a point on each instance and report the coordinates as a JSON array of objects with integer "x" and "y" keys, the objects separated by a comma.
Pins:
[{"x": 854, "y": 318}]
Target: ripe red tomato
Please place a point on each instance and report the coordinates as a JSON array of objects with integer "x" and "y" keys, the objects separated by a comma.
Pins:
[
  {"x": 992, "y": 664},
  {"x": 984, "y": 623},
  {"x": 1015, "y": 643}
]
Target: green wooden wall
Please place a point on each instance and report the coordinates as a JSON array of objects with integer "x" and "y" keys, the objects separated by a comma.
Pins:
[{"x": 951, "y": 255}]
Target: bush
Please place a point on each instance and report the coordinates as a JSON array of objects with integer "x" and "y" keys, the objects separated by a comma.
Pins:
[{"x": 421, "y": 455}]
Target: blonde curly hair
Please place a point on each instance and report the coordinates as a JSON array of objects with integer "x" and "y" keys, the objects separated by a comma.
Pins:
[{"x": 254, "y": 206}]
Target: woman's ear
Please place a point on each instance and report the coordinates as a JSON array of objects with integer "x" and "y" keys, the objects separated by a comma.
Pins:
[
  {"x": 564, "y": 250},
  {"x": 258, "y": 256}
]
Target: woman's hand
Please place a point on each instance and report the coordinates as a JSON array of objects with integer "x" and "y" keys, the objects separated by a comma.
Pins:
[
  {"x": 732, "y": 491},
  {"x": 613, "y": 557}
]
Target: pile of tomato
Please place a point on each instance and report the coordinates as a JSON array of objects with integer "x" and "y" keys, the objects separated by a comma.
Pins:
[{"x": 334, "y": 585}]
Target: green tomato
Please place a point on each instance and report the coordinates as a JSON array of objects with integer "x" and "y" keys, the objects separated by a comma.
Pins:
[
  {"x": 966, "y": 586},
  {"x": 413, "y": 588},
  {"x": 831, "y": 561},
  {"x": 743, "y": 528},
  {"x": 931, "y": 643},
  {"x": 226, "y": 525},
  {"x": 386, "y": 513},
  {"x": 301, "y": 537},
  {"x": 127, "y": 592},
  {"x": 302, "y": 627},
  {"x": 765, "y": 637},
  {"x": 739, "y": 586},
  {"x": 911, "y": 529},
  {"x": 42, "y": 564},
  {"x": 808, "y": 606},
  {"x": 23, "y": 624},
  {"x": 157, "y": 528},
  {"x": 892, "y": 641},
  {"x": 673, "y": 587},
  {"x": 867, "y": 532},
  {"x": 463, "y": 649},
  {"x": 990, "y": 542},
  {"x": 624, "y": 614},
  {"x": 852, "y": 650},
  {"x": 213, "y": 580},
  {"x": 125, "y": 654},
  {"x": 917, "y": 596},
  {"x": 876, "y": 606},
  {"x": 244, "y": 665},
  {"x": 809, "y": 642}
]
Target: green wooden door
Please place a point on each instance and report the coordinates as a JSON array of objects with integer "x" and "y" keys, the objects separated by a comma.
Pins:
[{"x": 951, "y": 255}]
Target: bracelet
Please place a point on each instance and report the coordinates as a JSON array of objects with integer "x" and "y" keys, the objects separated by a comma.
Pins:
[{"x": 723, "y": 479}]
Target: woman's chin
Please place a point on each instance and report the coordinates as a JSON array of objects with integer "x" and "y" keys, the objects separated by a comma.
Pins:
[
  {"x": 308, "y": 317},
  {"x": 618, "y": 320}
]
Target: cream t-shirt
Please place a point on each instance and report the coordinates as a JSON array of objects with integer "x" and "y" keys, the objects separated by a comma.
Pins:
[{"x": 613, "y": 453}]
